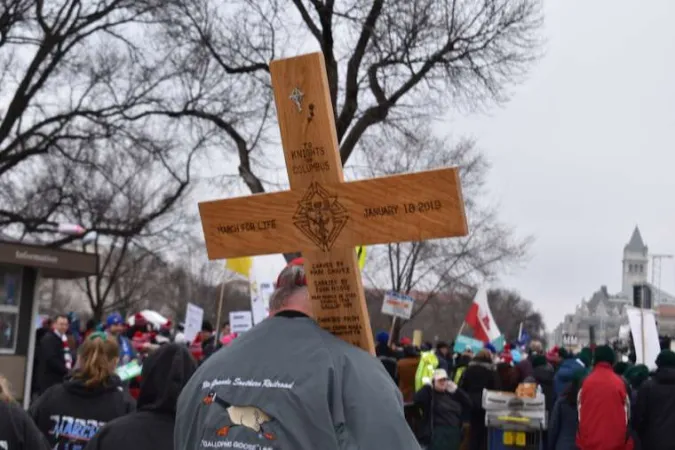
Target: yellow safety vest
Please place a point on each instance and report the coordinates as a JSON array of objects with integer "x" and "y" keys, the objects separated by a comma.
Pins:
[
  {"x": 458, "y": 374},
  {"x": 425, "y": 369}
]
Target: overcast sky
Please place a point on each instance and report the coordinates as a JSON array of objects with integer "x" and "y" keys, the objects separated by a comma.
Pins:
[{"x": 585, "y": 149}]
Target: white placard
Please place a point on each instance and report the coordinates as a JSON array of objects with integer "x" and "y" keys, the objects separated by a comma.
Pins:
[
  {"x": 240, "y": 321},
  {"x": 651, "y": 335},
  {"x": 194, "y": 316},
  {"x": 397, "y": 305},
  {"x": 260, "y": 300}
]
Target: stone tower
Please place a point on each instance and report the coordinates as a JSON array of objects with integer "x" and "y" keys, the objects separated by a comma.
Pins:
[{"x": 635, "y": 263}]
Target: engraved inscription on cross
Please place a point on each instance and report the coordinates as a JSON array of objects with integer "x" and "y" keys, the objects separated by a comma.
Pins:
[{"x": 324, "y": 217}]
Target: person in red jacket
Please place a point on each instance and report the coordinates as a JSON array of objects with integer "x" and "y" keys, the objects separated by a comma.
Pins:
[{"x": 604, "y": 407}]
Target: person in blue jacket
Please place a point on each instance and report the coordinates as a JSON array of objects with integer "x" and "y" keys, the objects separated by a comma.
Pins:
[
  {"x": 562, "y": 429},
  {"x": 567, "y": 370},
  {"x": 115, "y": 327}
]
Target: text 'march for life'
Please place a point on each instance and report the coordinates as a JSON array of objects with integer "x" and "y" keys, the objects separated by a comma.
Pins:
[{"x": 323, "y": 216}]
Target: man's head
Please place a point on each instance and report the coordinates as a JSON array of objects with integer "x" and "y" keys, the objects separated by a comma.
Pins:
[
  {"x": 536, "y": 348},
  {"x": 291, "y": 292},
  {"x": 60, "y": 324},
  {"x": 440, "y": 380},
  {"x": 604, "y": 354},
  {"x": 665, "y": 360},
  {"x": 114, "y": 323},
  {"x": 443, "y": 348},
  {"x": 207, "y": 330},
  {"x": 226, "y": 329}
]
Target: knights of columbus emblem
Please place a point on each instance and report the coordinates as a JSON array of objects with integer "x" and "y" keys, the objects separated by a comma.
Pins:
[{"x": 320, "y": 216}]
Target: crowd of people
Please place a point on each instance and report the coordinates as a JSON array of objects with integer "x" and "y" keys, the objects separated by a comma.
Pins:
[
  {"x": 288, "y": 383},
  {"x": 594, "y": 399}
]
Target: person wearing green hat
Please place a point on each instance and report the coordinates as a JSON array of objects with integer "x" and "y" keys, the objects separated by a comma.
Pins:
[
  {"x": 654, "y": 419},
  {"x": 604, "y": 406},
  {"x": 636, "y": 376}
]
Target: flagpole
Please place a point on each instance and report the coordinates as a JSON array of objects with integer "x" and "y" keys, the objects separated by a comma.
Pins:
[
  {"x": 220, "y": 310},
  {"x": 391, "y": 331},
  {"x": 520, "y": 332},
  {"x": 461, "y": 328}
]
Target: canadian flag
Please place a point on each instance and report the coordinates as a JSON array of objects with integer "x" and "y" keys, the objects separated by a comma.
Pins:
[{"x": 479, "y": 318}]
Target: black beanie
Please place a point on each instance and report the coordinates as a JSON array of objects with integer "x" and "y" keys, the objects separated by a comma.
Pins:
[
  {"x": 604, "y": 353},
  {"x": 621, "y": 367},
  {"x": 538, "y": 361},
  {"x": 666, "y": 359}
]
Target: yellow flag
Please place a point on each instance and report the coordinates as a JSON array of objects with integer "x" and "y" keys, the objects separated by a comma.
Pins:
[
  {"x": 241, "y": 266},
  {"x": 361, "y": 255}
]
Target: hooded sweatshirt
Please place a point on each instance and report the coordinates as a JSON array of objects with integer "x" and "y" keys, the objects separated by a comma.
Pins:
[
  {"x": 17, "y": 430},
  {"x": 70, "y": 414},
  {"x": 165, "y": 372}
]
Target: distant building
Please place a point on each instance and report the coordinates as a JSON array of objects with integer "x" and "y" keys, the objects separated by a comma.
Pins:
[{"x": 604, "y": 313}]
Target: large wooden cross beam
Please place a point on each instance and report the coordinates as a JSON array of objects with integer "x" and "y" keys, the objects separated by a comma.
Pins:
[{"x": 324, "y": 217}]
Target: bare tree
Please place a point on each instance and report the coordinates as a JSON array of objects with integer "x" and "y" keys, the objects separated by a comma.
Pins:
[
  {"x": 74, "y": 144},
  {"x": 386, "y": 62},
  {"x": 128, "y": 272},
  {"x": 444, "y": 267},
  {"x": 510, "y": 310}
]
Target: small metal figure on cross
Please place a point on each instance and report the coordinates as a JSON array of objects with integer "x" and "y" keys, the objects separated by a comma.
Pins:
[{"x": 296, "y": 97}]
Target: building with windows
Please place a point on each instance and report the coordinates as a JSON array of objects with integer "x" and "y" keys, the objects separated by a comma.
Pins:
[
  {"x": 603, "y": 313},
  {"x": 22, "y": 266}
]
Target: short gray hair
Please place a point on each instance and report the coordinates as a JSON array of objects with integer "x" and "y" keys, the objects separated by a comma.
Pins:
[
  {"x": 280, "y": 297},
  {"x": 291, "y": 281}
]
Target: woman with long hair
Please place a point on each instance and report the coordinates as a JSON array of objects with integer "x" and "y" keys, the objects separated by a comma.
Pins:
[
  {"x": 17, "y": 430},
  {"x": 70, "y": 414}
]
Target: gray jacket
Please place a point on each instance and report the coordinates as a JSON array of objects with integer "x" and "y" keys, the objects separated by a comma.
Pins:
[{"x": 288, "y": 384}]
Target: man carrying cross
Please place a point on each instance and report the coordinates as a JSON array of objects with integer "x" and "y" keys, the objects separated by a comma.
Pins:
[
  {"x": 299, "y": 380},
  {"x": 310, "y": 389}
]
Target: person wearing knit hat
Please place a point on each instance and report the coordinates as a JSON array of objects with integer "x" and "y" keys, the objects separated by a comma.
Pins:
[
  {"x": 479, "y": 375},
  {"x": 621, "y": 367},
  {"x": 295, "y": 384},
  {"x": 666, "y": 359},
  {"x": 538, "y": 361},
  {"x": 585, "y": 356},
  {"x": 115, "y": 327},
  {"x": 603, "y": 404},
  {"x": 636, "y": 375},
  {"x": 604, "y": 354},
  {"x": 568, "y": 367},
  {"x": 654, "y": 410}
]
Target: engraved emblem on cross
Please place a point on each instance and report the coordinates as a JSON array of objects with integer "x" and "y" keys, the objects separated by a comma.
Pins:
[{"x": 296, "y": 97}]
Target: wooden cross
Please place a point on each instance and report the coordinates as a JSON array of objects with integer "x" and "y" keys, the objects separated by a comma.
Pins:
[{"x": 324, "y": 217}]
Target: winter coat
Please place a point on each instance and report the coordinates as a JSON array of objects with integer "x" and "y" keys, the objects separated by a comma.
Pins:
[
  {"x": 289, "y": 384},
  {"x": 604, "y": 411},
  {"x": 440, "y": 408},
  {"x": 406, "y": 368},
  {"x": 52, "y": 362},
  {"x": 165, "y": 372},
  {"x": 565, "y": 374},
  {"x": 17, "y": 430},
  {"x": 525, "y": 368},
  {"x": 70, "y": 414},
  {"x": 479, "y": 376},
  {"x": 544, "y": 377},
  {"x": 654, "y": 419},
  {"x": 562, "y": 427}
]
